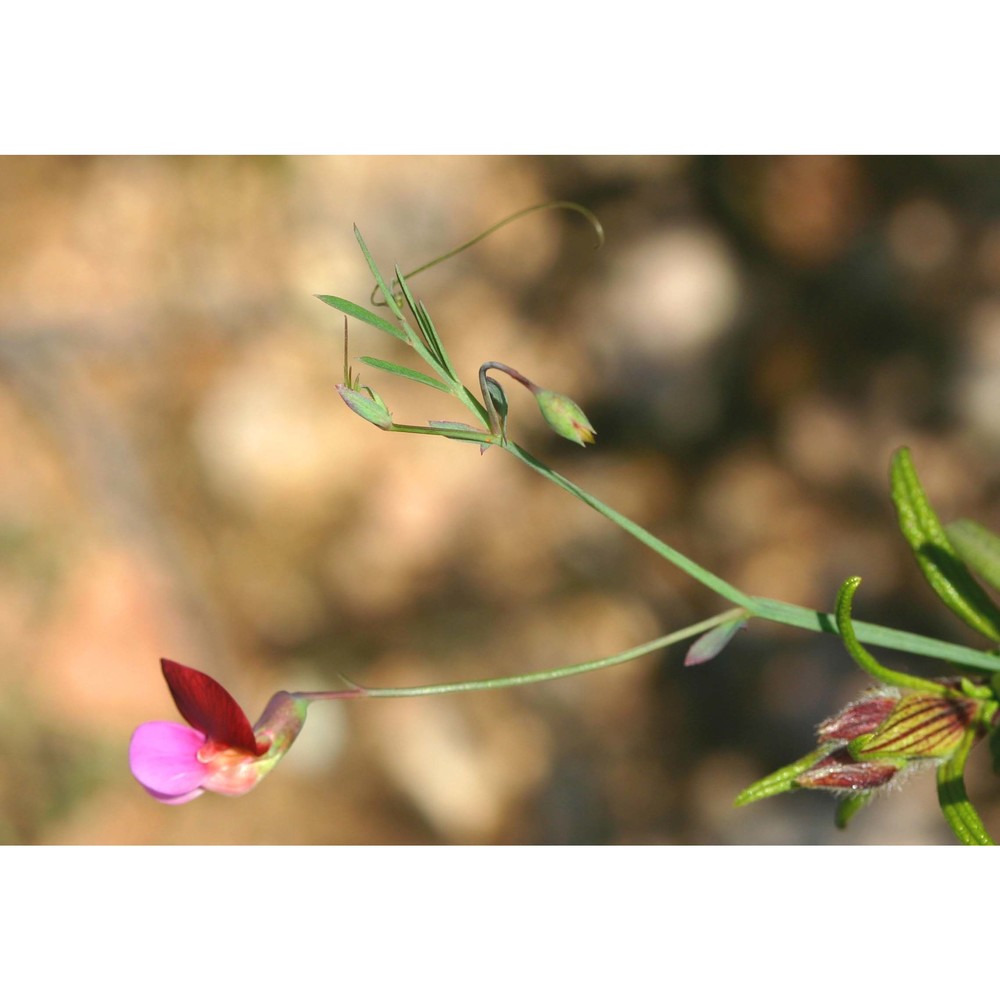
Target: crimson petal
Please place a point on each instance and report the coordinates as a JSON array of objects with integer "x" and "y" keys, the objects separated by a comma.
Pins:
[{"x": 209, "y": 707}]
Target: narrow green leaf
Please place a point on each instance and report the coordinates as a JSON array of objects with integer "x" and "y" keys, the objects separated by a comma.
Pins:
[
  {"x": 954, "y": 800},
  {"x": 978, "y": 546},
  {"x": 708, "y": 646},
  {"x": 390, "y": 299},
  {"x": 389, "y": 366},
  {"x": 363, "y": 314},
  {"x": 430, "y": 332},
  {"x": 404, "y": 289},
  {"x": 427, "y": 330},
  {"x": 463, "y": 432},
  {"x": 876, "y": 635},
  {"x": 937, "y": 557},
  {"x": 454, "y": 425}
]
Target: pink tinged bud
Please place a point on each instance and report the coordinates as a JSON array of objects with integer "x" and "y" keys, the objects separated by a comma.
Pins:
[
  {"x": 839, "y": 771},
  {"x": 921, "y": 725},
  {"x": 859, "y": 718}
]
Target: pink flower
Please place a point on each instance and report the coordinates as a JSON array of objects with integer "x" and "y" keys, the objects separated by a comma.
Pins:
[{"x": 219, "y": 751}]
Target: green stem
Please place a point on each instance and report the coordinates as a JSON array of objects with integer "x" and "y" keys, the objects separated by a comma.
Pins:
[
  {"x": 357, "y": 691},
  {"x": 571, "y": 205},
  {"x": 762, "y": 607},
  {"x": 689, "y": 566},
  {"x": 877, "y": 635},
  {"x": 864, "y": 659}
]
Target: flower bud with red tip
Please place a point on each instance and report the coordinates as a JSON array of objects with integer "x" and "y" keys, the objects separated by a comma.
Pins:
[
  {"x": 564, "y": 416},
  {"x": 872, "y": 740}
]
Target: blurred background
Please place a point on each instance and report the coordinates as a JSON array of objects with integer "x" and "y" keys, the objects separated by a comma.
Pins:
[{"x": 179, "y": 478}]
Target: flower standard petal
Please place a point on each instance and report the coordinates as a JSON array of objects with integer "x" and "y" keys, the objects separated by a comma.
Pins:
[
  {"x": 209, "y": 707},
  {"x": 163, "y": 757}
]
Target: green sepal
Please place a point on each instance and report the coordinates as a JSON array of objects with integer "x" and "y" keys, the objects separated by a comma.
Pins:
[
  {"x": 848, "y": 807},
  {"x": 415, "y": 376},
  {"x": 500, "y": 404},
  {"x": 978, "y": 547},
  {"x": 939, "y": 561},
  {"x": 782, "y": 780}
]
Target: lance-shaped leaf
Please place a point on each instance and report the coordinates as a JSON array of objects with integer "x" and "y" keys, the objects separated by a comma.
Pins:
[
  {"x": 390, "y": 299},
  {"x": 937, "y": 557},
  {"x": 402, "y": 371},
  {"x": 713, "y": 642},
  {"x": 427, "y": 330},
  {"x": 431, "y": 335},
  {"x": 978, "y": 546},
  {"x": 365, "y": 315}
]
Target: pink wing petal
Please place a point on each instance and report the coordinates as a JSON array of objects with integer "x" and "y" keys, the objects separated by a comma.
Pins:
[
  {"x": 177, "y": 800},
  {"x": 163, "y": 757},
  {"x": 209, "y": 707}
]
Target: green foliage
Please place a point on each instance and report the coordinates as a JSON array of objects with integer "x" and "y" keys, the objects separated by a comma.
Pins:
[
  {"x": 978, "y": 547},
  {"x": 938, "y": 559}
]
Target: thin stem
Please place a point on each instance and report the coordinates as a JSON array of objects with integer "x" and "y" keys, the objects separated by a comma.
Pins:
[
  {"x": 763, "y": 607},
  {"x": 689, "y": 566},
  {"x": 877, "y": 635},
  {"x": 571, "y": 205},
  {"x": 357, "y": 691},
  {"x": 863, "y": 658}
]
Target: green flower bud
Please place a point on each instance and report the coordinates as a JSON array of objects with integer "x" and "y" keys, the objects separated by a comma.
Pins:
[
  {"x": 369, "y": 406},
  {"x": 872, "y": 740},
  {"x": 564, "y": 416},
  {"x": 920, "y": 726}
]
